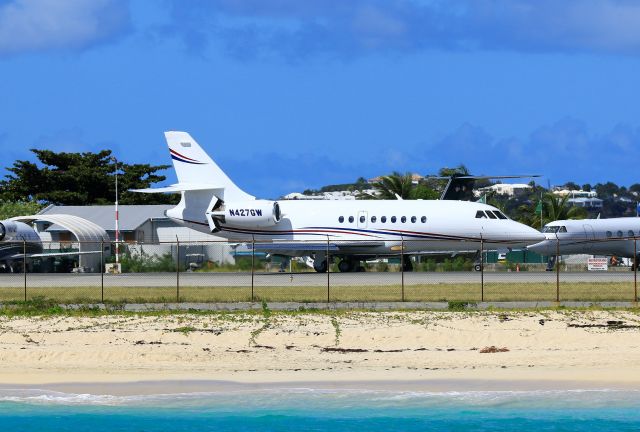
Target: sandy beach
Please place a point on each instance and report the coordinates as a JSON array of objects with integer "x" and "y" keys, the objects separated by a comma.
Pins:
[{"x": 447, "y": 350}]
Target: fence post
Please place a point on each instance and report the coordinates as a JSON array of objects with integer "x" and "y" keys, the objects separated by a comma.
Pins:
[
  {"x": 253, "y": 258},
  {"x": 102, "y": 270},
  {"x": 24, "y": 266},
  {"x": 402, "y": 265},
  {"x": 481, "y": 268},
  {"x": 328, "y": 273},
  {"x": 635, "y": 270},
  {"x": 177, "y": 269},
  {"x": 557, "y": 269}
]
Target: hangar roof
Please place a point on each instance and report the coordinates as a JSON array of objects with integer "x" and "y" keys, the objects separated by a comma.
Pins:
[
  {"x": 84, "y": 230},
  {"x": 130, "y": 216}
]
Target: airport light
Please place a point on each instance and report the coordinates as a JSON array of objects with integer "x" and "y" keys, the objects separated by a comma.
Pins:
[{"x": 117, "y": 216}]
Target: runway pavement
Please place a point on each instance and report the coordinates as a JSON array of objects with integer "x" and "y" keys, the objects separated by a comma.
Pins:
[{"x": 305, "y": 279}]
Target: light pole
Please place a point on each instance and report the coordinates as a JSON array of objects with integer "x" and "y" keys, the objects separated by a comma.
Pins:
[{"x": 117, "y": 216}]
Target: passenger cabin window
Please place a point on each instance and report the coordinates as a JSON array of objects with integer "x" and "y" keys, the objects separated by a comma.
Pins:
[
  {"x": 619, "y": 233},
  {"x": 413, "y": 219},
  {"x": 423, "y": 219},
  {"x": 403, "y": 219},
  {"x": 491, "y": 215},
  {"x": 373, "y": 219},
  {"x": 362, "y": 219},
  {"x": 609, "y": 234},
  {"x": 341, "y": 219},
  {"x": 350, "y": 219},
  {"x": 480, "y": 215},
  {"x": 393, "y": 219},
  {"x": 383, "y": 219},
  {"x": 630, "y": 233}
]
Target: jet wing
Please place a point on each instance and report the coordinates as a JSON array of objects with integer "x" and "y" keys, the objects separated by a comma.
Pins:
[{"x": 52, "y": 254}]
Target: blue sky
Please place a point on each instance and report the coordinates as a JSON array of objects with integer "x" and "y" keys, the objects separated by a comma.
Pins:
[{"x": 289, "y": 94}]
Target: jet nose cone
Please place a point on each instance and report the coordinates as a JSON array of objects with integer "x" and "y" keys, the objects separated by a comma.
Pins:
[{"x": 531, "y": 235}]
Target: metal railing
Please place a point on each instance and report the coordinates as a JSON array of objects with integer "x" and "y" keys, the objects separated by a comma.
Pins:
[{"x": 219, "y": 271}]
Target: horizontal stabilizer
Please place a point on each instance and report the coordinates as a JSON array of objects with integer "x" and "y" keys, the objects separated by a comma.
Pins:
[{"x": 178, "y": 187}]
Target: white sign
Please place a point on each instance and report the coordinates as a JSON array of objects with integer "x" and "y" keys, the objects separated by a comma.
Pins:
[{"x": 598, "y": 264}]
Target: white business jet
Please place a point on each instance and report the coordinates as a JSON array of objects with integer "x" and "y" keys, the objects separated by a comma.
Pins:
[
  {"x": 615, "y": 236},
  {"x": 349, "y": 230}
]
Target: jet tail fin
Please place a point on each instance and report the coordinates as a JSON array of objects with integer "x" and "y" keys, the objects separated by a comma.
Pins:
[{"x": 194, "y": 167}]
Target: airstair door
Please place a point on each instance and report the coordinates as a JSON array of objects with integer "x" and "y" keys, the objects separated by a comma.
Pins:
[{"x": 589, "y": 236}]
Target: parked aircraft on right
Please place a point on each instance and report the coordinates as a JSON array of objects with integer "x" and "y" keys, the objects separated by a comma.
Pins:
[{"x": 615, "y": 236}]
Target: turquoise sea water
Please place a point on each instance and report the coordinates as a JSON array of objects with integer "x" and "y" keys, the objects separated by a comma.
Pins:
[{"x": 323, "y": 410}]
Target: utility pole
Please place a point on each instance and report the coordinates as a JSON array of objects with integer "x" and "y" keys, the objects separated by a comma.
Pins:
[{"x": 117, "y": 215}]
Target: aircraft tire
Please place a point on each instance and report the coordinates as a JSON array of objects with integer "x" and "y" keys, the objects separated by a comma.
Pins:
[
  {"x": 321, "y": 266},
  {"x": 345, "y": 265},
  {"x": 477, "y": 267}
]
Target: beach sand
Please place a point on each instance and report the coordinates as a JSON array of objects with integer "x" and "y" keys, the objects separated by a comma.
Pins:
[{"x": 400, "y": 350}]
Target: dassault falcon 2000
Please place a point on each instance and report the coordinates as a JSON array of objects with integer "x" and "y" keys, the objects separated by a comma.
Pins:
[{"x": 349, "y": 230}]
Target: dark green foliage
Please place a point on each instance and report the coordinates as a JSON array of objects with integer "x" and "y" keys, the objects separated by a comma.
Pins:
[
  {"x": 80, "y": 179},
  {"x": 396, "y": 184},
  {"x": 10, "y": 209},
  {"x": 143, "y": 262}
]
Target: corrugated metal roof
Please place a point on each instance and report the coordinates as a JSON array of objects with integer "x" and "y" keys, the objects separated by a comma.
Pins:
[{"x": 131, "y": 216}]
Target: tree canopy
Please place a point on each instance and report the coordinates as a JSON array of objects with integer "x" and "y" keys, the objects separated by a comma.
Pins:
[{"x": 80, "y": 179}]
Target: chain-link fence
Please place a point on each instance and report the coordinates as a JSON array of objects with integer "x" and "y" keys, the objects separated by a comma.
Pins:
[{"x": 319, "y": 271}]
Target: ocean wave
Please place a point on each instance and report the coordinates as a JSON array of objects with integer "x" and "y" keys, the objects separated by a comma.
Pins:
[{"x": 303, "y": 398}]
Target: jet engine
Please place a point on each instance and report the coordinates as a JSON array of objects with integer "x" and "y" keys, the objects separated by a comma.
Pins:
[
  {"x": 8, "y": 230},
  {"x": 17, "y": 231},
  {"x": 250, "y": 214}
]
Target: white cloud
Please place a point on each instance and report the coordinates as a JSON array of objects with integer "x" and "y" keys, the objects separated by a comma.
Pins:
[{"x": 41, "y": 25}]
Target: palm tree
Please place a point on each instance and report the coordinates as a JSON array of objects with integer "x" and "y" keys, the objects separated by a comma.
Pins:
[
  {"x": 554, "y": 207},
  {"x": 394, "y": 184}
]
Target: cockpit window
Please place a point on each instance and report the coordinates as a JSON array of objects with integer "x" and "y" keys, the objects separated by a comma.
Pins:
[
  {"x": 550, "y": 229},
  {"x": 491, "y": 215},
  {"x": 563, "y": 229},
  {"x": 480, "y": 215},
  {"x": 499, "y": 214}
]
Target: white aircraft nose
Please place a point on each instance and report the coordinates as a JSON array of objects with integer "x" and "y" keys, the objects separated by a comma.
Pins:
[
  {"x": 531, "y": 235},
  {"x": 545, "y": 247}
]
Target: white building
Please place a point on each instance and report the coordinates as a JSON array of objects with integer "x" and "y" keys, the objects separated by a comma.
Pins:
[
  {"x": 509, "y": 189},
  {"x": 575, "y": 193}
]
